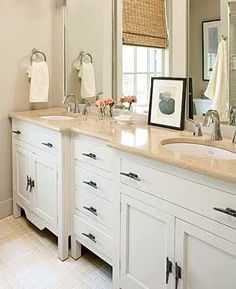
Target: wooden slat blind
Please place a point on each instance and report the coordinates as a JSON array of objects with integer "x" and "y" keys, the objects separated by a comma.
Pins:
[{"x": 144, "y": 23}]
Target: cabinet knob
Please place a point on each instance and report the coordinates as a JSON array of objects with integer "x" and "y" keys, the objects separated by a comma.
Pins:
[
  {"x": 90, "y": 237},
  {"x": 90, "y": 155},
  {"x": 91, "y": 210},
  {"x": 227, "y": 211},
  {"x": 91, "y": 184},
  {"x": 132, "y": 176},
  {"x": 47, "y": 144},
  {"x": 16, "y": 132}
]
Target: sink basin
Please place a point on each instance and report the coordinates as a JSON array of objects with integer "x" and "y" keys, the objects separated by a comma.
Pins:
[
  {"x": 200, "y": 150},
  {"x": 57, "y": 117}
]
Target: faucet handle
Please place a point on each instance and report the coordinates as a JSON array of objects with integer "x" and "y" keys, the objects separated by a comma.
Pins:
[{"x": 234, "y": 138}]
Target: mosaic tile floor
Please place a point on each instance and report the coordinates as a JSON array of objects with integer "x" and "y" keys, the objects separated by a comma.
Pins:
[{"x": 28, "y": 260}]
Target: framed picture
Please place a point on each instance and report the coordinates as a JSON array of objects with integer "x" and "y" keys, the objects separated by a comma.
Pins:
[
  {"x": 211, "y": 34},
  {"x": 167, "y": 102}
]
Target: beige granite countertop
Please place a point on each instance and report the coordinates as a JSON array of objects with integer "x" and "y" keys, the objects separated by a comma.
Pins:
[{"x": 140, "y": 139}]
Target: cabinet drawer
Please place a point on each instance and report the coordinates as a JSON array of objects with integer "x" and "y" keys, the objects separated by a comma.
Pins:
[
  {"x": 92, "y": 183},
  {"x": 95, "y": 207},
  {"x": 43, "y": 138},
  {"x": 93, "y": 238},
  {"x": 93, "y": 154},
  {"x": 190, "y": 195}
]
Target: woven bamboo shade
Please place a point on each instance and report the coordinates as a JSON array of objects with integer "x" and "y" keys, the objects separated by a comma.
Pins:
[{"x": 144, "y": 23}]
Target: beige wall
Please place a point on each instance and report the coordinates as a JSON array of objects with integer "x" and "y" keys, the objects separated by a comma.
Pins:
[
  {"x": 24, "y": 25},
  {"x": 200, "y": 10}
]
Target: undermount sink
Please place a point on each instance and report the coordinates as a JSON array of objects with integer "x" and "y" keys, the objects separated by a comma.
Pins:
[
  {"x": 200, "y": 150},
  {"x": 57, "y": 117}
]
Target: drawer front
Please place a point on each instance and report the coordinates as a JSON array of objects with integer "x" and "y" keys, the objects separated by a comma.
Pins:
[
  {"x": 94, "y": 184},
  {"x": 93, "y": 154},
  {"x": 192, "y": 196},
  {"x": 92, "y": 237},
  {"x": 43, "y": 138},
  {"x": 95, "y": 207}
]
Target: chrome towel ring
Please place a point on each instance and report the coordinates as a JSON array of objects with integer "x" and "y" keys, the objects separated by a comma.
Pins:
[
  {"x": 36, "y": 54},
  {"x": 83, "y": 55}
]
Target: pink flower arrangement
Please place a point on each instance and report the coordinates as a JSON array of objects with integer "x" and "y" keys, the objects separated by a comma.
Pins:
[
  {"x": 128, "y": 99},
  {"x": 103, "y": 103}
]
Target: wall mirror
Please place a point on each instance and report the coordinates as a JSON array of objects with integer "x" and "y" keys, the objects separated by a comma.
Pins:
[
  {"x": 209, "y": 22},
  {"x": 88, "y": 29}
]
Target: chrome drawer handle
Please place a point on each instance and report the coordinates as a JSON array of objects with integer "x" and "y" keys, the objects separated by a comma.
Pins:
[
  {"x": 132, "y": 176},
  {"x": 178, "y": 275},
  {"x": 227, "y": 211},
  {"x": 91, "y": 210},
  {"x": 90, "y": 237},
  {"x": 47, "y": 144},
  {"x": 28, "y": 183},
  {"x": 16, "y": 132},
  {"x": 91, "y": 184},
  {"x": 168, "y": 269},
  {"x": 91, "y": 156}
]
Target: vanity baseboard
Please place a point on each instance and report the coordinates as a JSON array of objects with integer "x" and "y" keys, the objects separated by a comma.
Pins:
[{"x": 6, "y": 208}]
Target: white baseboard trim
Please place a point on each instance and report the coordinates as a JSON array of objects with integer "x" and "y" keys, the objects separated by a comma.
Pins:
[{"x": 5, "y": 208}]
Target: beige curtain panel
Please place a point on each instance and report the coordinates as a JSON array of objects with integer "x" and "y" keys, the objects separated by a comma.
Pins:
[{"x": 144, "y": 23}]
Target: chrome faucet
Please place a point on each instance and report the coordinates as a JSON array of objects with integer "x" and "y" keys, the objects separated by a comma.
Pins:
[
  {"x": 197, "y": 127},
  {"x": 212, "y": 117},
  {"x": 69, "y": 100},
  {"x": 234, "y": 138}
]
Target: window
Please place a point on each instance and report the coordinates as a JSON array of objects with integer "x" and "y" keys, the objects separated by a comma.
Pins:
[{"x": 139, "y": 65}]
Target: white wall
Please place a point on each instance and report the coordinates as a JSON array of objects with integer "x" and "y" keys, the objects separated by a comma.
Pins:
[{"x": 24, "y": 25}]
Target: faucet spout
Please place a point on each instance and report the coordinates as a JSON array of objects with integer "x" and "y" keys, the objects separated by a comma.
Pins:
[{"x": 213, "y": 117}]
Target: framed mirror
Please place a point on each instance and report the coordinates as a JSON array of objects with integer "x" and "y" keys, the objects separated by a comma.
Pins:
[
  {"x": 211, "y": 27},
  {"x": 210, "y": 40},
  {"x": 88, "y": 33}
]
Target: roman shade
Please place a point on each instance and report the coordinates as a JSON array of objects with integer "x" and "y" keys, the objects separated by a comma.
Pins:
[{"x": 144, "y": 23}]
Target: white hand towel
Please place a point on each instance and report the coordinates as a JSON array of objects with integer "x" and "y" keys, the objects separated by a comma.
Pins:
[
  {"x": 39, "y": 85},
  {"x": 88, "y": 85},
  {"x": 217, "y": 89}
]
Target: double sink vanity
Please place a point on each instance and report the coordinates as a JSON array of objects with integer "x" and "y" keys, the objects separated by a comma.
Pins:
[{"x": 158, "y": 205}]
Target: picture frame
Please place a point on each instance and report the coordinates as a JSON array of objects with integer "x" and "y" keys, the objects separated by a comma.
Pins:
[
  {"x": 211, "y": 34},
  {"x": 167, "y": 102}
]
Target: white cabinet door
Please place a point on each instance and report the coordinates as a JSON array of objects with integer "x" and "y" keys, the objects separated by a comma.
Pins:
[
  {"x": 45, "y": 189},
  {"x": 22, "y": 163},
  {"x": 147, "y": 240},
  {"x": 207, "y": 261}
]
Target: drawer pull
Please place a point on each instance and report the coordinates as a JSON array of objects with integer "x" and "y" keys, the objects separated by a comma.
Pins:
[
  {"x": 47, "y": 144},
  {"x": 32, "y": 185},
  {"x": 91, "y": 210},
  {"x": 168, "y": 269},
  {"x": 28, "y": 183},
  {"x": 91, "y": 184},
  {"x": 90, "y": 237},
  {"x": 91, "y": 156},
  {"x": 16, "y": 132},
  {"x": 227, "y": 211},
  {"x": 178, "y": 275},
  {"x": 132, "y": 176}
]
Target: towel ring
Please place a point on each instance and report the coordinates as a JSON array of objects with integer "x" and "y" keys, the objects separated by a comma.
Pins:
[
  {"x": 36, "y": 52},
  {"x": 83, "y": 54}
]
